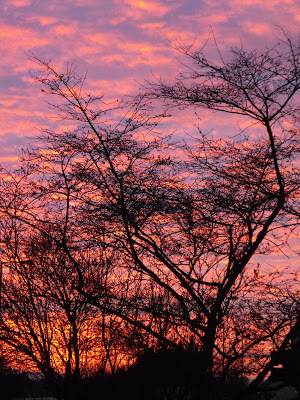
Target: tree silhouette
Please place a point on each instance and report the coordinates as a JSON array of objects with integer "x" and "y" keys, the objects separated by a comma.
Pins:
[
  {"x": 45, "y": 324},
  {"x": 250, "y": 185},
  {"x": 177, "y": 237}
]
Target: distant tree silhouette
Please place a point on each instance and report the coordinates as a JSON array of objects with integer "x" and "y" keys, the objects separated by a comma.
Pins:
[{"x": 45, "y": 324}]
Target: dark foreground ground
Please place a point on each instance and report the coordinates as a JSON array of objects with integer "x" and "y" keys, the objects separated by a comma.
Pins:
[{"x": 163, "y": 376}]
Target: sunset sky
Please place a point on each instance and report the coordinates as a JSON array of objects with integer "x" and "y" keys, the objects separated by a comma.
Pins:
[
  {"x": 118, "y": 42},
  {"x": 105, "y": 226}
]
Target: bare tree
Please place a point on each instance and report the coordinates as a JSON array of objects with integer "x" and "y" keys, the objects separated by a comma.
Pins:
[
  {"x": 45, "y": 324},
  {"x": 251, "y": 184},
  {"x": 178, "y": 237}
]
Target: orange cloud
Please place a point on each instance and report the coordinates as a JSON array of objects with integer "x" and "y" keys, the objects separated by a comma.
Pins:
[
  {"x": 151, "y": 26},
  {"x": 138, "y": 53},
  {"x": 102, "y": 38},
  {"x": 63, "y": 29},
  {"x": 43, "y": 20},
  {"x": 142, "y": 10},
  {"x": 14, "y": 37},
  {"x": 18, "y": 3},
  {"x": 257, "y": 28},
  {"x": 152, "y": 7}
]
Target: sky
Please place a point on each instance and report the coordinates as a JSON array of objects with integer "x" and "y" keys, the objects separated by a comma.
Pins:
[{"x": 119, "y": 43}]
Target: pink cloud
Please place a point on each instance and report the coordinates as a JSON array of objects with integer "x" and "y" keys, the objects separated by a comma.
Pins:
[
  {"x": 257, "y": 28},
  {"x": 150, "y": 26},
  {"x": 119, "y": 42},
  {"x": 262, "y": 3},
  {"x": 63, "y": 30}
]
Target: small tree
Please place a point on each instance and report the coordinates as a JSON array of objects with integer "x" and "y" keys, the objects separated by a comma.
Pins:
[{"x": 45, "y": 324}]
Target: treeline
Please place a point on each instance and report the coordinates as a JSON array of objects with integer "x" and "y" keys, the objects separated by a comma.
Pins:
[
  {"x": 155, "y": 375},
  {"x": 116, "y": 238}
]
